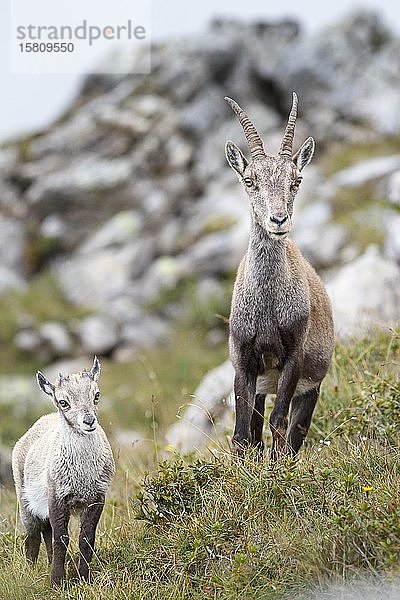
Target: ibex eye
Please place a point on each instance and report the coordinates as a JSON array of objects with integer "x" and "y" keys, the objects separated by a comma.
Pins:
[
  {"x": 63, "y": 404},
  {"x": 96, "y": 397},
  {"x": 248, "y": 181},
  {"x": 296, "y": 183}
]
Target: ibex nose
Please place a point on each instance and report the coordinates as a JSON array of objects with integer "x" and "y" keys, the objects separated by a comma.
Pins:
[
  {"x": 278, "y": 219},
  {"x": 89, "y": 420}
]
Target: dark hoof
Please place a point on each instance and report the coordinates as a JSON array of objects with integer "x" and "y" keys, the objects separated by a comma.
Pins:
[{"x": 85, "y": 578}]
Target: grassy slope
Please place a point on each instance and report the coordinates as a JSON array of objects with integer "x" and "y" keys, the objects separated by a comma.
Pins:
[{"x": 212, "y": 527}]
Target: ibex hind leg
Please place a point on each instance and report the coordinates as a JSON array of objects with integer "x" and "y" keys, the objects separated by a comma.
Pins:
[
  {"x": 301, "y": 411},
  {"x": 47, "y": 534},
  {"x": 32, "y": 526},
  {"x": 257, "y": 423}
]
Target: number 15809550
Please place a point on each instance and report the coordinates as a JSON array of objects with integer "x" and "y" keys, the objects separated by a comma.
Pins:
[{"x": 46, "y": 47}]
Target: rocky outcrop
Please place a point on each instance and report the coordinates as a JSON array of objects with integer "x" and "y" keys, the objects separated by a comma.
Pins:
[
  {"x": 203, "y": 421},
  {"x": 128, "y": 197},
  {"x": 365, "y": 295}
]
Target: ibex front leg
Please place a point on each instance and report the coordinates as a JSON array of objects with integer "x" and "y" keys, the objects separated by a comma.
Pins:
[
  {"x": 246, "y": 371},
  {"x": 59, "y": 517},
  {"x": 89, "y": 519},
  {"x": 278, "y": 420}
]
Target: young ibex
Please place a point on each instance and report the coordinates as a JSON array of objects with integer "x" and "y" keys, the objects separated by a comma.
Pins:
[
  {"x": 62, "y": 463},
  {"x": 281, "y": 327}
]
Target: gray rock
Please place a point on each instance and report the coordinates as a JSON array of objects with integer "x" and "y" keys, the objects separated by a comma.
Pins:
[
  {"x": 179, "y": 152},
  {"x": 10, "y": 281},
  {"x": 392, "y": 191},
  {"x": 214, "y": 254},
  {"x": 12, "y": 245},
  {"x": 149, "y": 106},
  {"x": 28, "y": 340},
  {"x": 172, "y": 238},
  {"x": 365, "y": 294},
  {"x": 95, "y": 279},
  {"x": 392, "y": 237},
  {"x": 127, "y": 121},
  {"x": 164, "y": 274},
  {"x": 367, "y": 170},
  {"x": 379, "y": 105},
  {"x": 55, "y": 340},
  {"x": 218, "y": 227},
  {"x": 144, "y": 334},
  {"x": 200, "y": 423},
  {"x": 318, "y": 238},
  {"x": 220, "y": 208},
  {"x": 118, "y": 231},
  {"x": 123, "y": 308},
  {"x": 18, "y": 392},
  {"x": 204, "y": 112},
  {"x": 98, "y": 334},
  {"x": 53, "y": 227},
  {"x": 335, "y": 70},
  {"x": 78, "y": 193},
  {"x": 87, "y": 175},
  {"x": 46, "y": 342},
  {"x": 323, "y": 246}
]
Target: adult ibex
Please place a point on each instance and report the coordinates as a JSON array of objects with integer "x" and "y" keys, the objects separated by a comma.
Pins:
[{"x": 281, "y": 327}]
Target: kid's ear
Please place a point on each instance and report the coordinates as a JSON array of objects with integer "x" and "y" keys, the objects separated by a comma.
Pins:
[
  {"x": 304, "y": 155},
  {"x": 235, "y": 158},
  {"x": 95, "y": 370},
  {"x": 44, "y": 384}
]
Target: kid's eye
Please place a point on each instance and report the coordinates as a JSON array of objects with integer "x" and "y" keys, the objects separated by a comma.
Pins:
[
  {"x": 64, "y": 404},
  {"x": 248, "y": 181},
  {"x": 96, "y": 397}
]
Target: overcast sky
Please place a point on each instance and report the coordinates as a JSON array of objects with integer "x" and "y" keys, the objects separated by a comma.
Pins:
[{"x": 31, "y": 101}]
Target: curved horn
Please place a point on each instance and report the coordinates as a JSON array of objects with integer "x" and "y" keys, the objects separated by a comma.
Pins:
[
  {"x": 254, "y": 141},
  {"x": 287, "y": 142}
]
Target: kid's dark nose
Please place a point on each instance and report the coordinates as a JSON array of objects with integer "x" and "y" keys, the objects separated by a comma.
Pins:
[{"x": 89, "y": 420}]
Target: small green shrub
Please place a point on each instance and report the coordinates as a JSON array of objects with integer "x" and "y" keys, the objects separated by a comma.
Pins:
[{"x": 175, "y": 490}]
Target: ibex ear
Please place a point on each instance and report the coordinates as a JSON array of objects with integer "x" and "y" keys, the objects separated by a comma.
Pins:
[
  {"x": 304, "y": 155},
  {"x": 44, "y": 384},
  {"x": 95, "y": 370},
  {"x": 235, "y": 158}
]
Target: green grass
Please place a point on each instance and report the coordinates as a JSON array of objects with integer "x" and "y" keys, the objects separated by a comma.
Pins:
[
  {"x": 214, "y": 527},
  {"x": 146, "y": 393}
]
